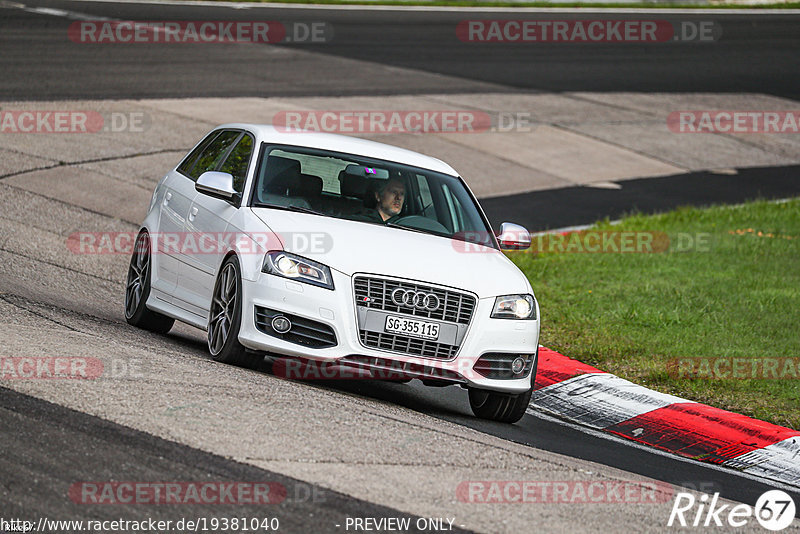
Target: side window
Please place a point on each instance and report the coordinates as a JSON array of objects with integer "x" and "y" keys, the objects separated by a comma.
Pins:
[
  {"x": 213, "y": 154},
  {"x": 236, "y": 163},
  {"x": 186, "y": 167}
]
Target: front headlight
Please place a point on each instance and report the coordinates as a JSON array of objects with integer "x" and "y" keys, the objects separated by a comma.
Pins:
[
  {"x": 514, "y": 307},
  {"x": 295, "y": 267}
]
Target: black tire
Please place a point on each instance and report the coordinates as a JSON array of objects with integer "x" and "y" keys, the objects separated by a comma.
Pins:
[
  {"x": 502, "y": 407},
  {"x": 137, "y": 290},
  {"x": 225, "y": 318},
  {"x": 499, "y": 407}
]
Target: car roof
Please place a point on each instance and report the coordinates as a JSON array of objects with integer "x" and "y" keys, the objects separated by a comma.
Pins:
[{"x": 345, "y": 144}]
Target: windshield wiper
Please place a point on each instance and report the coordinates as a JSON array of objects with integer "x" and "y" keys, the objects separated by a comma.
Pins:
[
  {"x": 412, "y": 229},
  {"x": 303, "y": 209}
]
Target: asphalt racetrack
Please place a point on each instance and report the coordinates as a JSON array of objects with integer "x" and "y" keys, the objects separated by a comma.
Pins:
[
  {"x": 344, "y": 449},
  {"x": 752, "y": 55}
]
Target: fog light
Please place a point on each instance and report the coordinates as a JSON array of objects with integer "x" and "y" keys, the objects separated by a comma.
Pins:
[
  {"x": 281, "y": 324},
  {"x": 518, "y": 365}
]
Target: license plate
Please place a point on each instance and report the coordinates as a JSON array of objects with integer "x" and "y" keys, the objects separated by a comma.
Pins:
[{"x": 412, "y": 327}]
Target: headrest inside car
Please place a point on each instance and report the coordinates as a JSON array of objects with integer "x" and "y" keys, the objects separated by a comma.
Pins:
[
  {"x": 307, "y": 185},
  {"x": 352, "y": 185},
  {"x": 280, "y": 173}
]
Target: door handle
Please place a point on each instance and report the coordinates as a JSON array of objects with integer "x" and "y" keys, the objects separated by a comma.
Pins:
[
  {"x": 192, "y": 213},
  {"x": 167, "y": 197}
]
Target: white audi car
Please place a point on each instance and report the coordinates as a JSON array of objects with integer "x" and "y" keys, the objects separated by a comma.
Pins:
[{"x": 320, "y": 248}]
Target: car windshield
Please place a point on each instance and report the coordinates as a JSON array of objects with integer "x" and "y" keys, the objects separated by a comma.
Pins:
[{"x": 370, "y": 191}]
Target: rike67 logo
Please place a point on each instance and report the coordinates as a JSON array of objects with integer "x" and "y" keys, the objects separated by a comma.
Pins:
[{"x": 774, "y": 510}]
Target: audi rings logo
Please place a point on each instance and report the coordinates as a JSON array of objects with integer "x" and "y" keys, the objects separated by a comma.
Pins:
[{"x": 415, "y": 299}]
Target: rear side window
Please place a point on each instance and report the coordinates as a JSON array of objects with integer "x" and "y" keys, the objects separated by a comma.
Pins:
[
  {"x": 188, "y": 164},
  {"x": 236, "y": 163},
  {"x": 211, "y": 156}
]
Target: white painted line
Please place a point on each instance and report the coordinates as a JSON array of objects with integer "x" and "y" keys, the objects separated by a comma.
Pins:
[
  {"x": 779, "y": 461},
  {"x": 603, "y": 185},
  {"x": 600, "y": 400},
  {"x": 46, "y": 11},
  {"x": 73, "y": 15}
]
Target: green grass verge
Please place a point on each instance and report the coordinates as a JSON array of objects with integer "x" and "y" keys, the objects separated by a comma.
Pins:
[
  {"x": 630, "y": 314},
  {"x": 480, "y": 3}
]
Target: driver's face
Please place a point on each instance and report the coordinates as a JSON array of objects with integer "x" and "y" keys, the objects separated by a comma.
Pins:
[{"x": 390, "y": 201}]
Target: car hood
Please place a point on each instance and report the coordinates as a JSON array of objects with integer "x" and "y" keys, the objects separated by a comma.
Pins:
[{"x": 356, "y": 247}]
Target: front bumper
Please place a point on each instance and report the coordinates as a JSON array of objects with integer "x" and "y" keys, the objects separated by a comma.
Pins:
[{"x": 337, "y": 310}]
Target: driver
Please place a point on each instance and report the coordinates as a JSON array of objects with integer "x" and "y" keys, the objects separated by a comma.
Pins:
[{"x": 390, "y": 196}]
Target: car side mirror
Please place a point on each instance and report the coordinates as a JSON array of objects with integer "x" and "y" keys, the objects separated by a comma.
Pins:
[
  {"x": 216, "y": 184},
  {"x": 513, "y": 237}
]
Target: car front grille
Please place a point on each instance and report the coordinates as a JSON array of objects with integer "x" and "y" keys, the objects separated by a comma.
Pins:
[
  {"x": 374, "y": 294},
  {"x": 456, "y": 307},
  {"x": 408, "y": 345}
]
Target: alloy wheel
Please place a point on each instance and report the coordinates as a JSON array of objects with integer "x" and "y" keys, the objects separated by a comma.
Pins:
[
  {"x": 138, "y": 274},
  {"x": 223, "y": 308}
]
